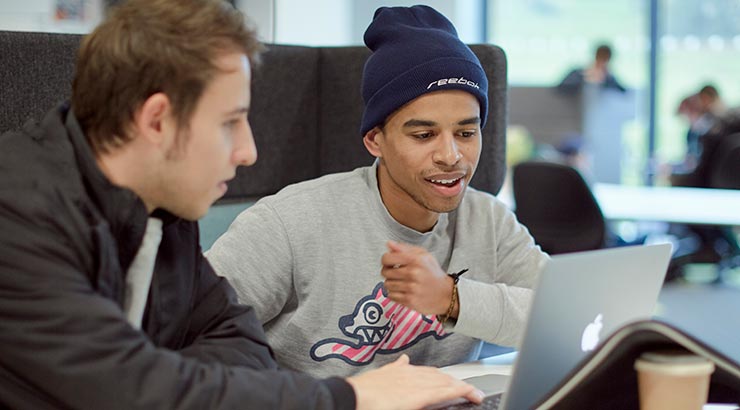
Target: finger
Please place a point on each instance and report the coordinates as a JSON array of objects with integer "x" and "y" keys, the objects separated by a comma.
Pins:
[
  {"x": 405, "y": 276},
  {"x": 476, "y": 396},
  {"x": 394, "y": 246},
  {"x": 462, "y": 390},
  {"x": 391, "y": 259},
  {"x": 391, "y": 273},
  {"x": 396, "y": 286},
  {"x": 457, "y": 390},
  {"x": 399, "y": 297},
  {"x": 402, "y": 360}
]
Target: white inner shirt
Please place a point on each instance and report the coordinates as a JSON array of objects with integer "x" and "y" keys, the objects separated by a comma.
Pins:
[{"x": 139, "y": 275}]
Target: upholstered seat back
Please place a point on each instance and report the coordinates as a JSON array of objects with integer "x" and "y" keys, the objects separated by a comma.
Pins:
[{"x": 305, "y": 114}]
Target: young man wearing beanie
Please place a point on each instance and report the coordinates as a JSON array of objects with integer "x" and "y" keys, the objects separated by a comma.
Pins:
[
  {"x": 350, "y": 270},
  {"x": 105, "y": 299}
]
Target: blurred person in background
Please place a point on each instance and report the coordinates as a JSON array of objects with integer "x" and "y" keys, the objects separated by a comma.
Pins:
[
  {"x": 701, "y": 110},
  {"x": 596, "y": 73}
]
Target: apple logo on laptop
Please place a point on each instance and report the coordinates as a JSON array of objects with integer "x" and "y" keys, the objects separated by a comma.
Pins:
[{"x": 590, "y": 337}]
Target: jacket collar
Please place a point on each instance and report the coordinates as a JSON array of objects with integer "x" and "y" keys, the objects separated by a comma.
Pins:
[{"x": 123, "y": 210}]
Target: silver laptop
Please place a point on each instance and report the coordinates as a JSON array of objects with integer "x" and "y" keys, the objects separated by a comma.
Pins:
[{"x": 580, "y": 299}]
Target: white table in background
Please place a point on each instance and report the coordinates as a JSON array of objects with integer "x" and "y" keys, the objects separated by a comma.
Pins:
[{"x": 669, "y": 204}]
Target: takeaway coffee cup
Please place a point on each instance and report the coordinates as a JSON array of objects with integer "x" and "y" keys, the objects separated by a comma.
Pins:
[{"x": 673, "y": 380}]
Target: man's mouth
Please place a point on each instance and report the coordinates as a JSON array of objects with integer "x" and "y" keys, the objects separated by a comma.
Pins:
[
  {"x": 446, "y": 182},
  {"x": 223, "y": 185}
]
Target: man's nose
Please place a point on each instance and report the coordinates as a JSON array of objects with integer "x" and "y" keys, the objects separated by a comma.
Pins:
[
  {"x": 245, "y": 151},
  {"x": 447, "y": 152}
]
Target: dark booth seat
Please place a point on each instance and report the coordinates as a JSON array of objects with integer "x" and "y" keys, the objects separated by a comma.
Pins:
[{"x": 305, "y": 115}]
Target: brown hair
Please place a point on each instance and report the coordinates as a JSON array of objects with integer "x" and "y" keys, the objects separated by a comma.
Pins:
[
  {"x": 603, "y": 52},
  {"x": 710, "y": 92},
  {"x": 150, "y": 46}
]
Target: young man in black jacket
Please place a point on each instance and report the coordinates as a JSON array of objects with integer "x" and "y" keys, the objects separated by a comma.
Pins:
[{"x": 105, "y": 298}]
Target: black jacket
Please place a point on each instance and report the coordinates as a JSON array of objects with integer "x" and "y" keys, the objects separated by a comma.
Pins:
[{"x": 67, "y": 238}]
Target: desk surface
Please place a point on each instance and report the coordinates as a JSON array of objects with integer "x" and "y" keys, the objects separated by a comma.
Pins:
[
  {"x": 500, "y": 364},
  {"x": 669, "y": 204}
]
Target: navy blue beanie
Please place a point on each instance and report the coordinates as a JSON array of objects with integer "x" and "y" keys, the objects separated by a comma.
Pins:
[{"x": 415, "y": 51}]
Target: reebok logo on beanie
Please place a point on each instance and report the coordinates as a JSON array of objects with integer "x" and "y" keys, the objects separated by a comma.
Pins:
[{"x": 453, "y": 80}]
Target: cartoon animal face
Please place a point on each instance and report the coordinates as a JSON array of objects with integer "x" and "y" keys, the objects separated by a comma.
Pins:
[{"x": 368, "y": 324}]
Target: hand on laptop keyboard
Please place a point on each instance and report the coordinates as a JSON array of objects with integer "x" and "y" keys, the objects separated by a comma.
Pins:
[
  {"x": 399, "y": 386},
  {"x": 489, "y": 403}
]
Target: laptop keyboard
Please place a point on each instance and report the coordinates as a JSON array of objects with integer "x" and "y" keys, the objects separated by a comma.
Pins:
[{"x": 489, "y": 403}]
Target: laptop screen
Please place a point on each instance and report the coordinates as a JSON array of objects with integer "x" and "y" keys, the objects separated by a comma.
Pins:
[{"x": 580, "y": 299}]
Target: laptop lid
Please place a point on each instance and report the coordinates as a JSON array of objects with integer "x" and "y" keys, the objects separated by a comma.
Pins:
[{"x": 579, "y": 300}]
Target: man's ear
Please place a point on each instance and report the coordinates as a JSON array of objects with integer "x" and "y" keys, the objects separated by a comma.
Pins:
[
  {"x": 371, "y": 142},
  {"x": 154, "y": 121}
]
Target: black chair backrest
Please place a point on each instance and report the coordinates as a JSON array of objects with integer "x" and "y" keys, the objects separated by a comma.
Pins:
[
  {"x": 725, "y": 168},
  {"x": 557, "y": 206},
  {"x": 35, "y": 74},
  {"x": 305, "y": 114},
  {"x": 715, "y": 145}
]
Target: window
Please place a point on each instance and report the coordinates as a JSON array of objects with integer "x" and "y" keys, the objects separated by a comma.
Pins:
[
  {"x": 545, "y": 39},
  {"x": 698, "y": 43}
]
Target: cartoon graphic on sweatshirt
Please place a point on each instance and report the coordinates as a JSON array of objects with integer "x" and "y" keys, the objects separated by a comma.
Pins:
[{"x": 378, "y": 326}]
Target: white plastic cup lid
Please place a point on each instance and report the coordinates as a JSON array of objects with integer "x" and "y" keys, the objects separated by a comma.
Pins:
[{"x": 675, "y": 362}]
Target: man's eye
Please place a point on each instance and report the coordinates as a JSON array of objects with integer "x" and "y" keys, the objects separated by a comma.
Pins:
[
  {"x": 423, "y": 136},
  {"x": 468, "y": 134}
]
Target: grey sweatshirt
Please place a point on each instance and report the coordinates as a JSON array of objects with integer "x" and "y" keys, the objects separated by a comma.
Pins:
[{"x": 308, "y": 260}]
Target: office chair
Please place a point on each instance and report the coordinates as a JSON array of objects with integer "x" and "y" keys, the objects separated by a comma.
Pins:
[
  {"x": 719, "y": 168},
  {"x": 556, "y": 204},
  {"x": 725, "y": 172}
]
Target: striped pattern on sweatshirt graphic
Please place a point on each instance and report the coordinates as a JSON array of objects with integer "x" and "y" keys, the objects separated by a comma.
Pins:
[{"x": 378, "y": 326}]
